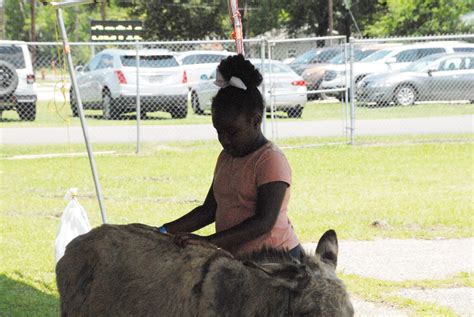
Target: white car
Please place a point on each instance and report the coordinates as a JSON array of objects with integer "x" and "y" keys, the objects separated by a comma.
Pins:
[
  {"x": 198, "y": 63},
  {"x": 17, "y": 80},
  {"x": 389, "y": 59},
  {"x": 109, "y": 82},
  {"x": 289, "y": 89}
]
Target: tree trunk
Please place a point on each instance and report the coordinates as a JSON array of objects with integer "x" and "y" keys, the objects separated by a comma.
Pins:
[
  {"x": 33, "y": 21},
  {"x": 21, "y": 4},
  {"x": 103, "y": 12},
  {"x": 33, "y": 31},
  {"x": 330, "y": 18}
]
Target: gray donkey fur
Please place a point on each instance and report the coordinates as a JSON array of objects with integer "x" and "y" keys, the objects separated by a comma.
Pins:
[{"x": 133, "y": 270}]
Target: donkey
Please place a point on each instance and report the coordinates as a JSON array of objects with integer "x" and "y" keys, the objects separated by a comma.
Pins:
[{"x": 134, "y": 270}]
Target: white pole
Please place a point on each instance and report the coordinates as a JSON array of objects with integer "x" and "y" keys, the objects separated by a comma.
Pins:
[
  {"x": 272, "y": 97},
  {"x": 352, "y": 89},
  {"x": 67, "y": 52},
  {"x": 138, "y": 97}
]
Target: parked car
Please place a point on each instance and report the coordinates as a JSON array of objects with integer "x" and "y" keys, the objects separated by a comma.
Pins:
[
  {"x": 109, "y": 82},
  {"x": 314, "y": 56},
  {"x": 435, "y": 77},
  {"x": 389, "y": 59},
  {"x": 314, "y": 73},
  {"x": 17, "y": 80},
  {"x": 197, "y": 63},
  {"x": 283, "y": 79}
]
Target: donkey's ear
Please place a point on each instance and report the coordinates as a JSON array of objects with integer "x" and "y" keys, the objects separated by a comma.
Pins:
[
  {"x": 327, "y": 248},
  {"x": 293, "y": 276}
]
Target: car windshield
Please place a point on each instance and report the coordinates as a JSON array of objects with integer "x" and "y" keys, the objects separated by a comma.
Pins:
[
  {"x": 12, "y": 55},
  {"x": 421, "y": 64},
  {"x": 338, "y": 59},
  {"x": 276, "y": 68},
  {"x": 149, "y": 61},
  {"x": 376, "y": 56},
  {"x": 358, "y": 55},
  {"x": 305, "y": 58}
]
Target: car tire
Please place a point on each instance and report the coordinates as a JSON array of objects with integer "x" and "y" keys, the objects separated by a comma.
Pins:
[
  {"x": 195, "y": 103},
  {"x": 324, "y": 96},
  {"x": 8, "y": 79},
  {"x": 26, "y": 111},
  {"x": 108, "y": 110},
  {"x": 73, "y": 103},
  {"x": 179, "y": 112},
  {"x": 405, "y": 95},
  {"x": 295, "y": 112}
]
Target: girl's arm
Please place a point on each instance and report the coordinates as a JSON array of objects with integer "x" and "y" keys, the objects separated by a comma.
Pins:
[
  {"x": 269, "y": 199},
  {"x": 197, "y": 218}
]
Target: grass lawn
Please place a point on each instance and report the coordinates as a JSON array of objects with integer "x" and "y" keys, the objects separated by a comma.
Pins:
[
  {"x": 419, "y": 190},
  {"x": 59, "y": 114}
]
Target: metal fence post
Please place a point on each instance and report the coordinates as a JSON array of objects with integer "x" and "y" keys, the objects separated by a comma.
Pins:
[
  {"x": 351, "y": 90},
  {"x": 272, "y": 103},
  {"x": 137, "y": 49},
  {"x": 347, "y": 110},
  {"x": 262, "y": 71}
]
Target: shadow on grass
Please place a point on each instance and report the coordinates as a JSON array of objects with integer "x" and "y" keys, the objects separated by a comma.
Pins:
[
  {"x": 20, "y": 299},
  {"x": 10, "y": 120}
]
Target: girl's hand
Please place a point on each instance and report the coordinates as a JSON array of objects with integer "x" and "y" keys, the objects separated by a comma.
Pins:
[{"x": 184, "y": 239}]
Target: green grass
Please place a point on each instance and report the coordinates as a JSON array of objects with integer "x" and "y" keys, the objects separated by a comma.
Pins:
[
  {"x": 59, "y": 114},
  {"x": 421, "y": 190}
]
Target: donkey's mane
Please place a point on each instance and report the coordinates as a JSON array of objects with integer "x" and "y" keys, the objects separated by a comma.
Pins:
[{"x": 268, "y": 254}]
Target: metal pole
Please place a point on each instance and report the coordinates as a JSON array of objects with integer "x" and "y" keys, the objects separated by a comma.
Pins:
[
  {"x": 351, "y": 90},
  {"x": 262, "y": 71},
  {"x": 272, "y": 100},
  {"x": 67, "y": 52},
  {"x": 138, "y": 97},
  {"x": 346, "y": 101},
  {"x": 238, "y": 29}
]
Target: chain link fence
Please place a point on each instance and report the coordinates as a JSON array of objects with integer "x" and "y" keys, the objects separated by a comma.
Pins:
[
  {"x": 422, "y": 86},
  {"x": 419, "y": 88}
]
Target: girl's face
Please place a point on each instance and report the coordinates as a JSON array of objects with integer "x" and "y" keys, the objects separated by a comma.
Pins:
[{"x": 237, "y": 133}]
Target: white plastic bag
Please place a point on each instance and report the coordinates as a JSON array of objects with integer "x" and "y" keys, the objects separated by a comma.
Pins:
[{"x": 74, "y": 222}]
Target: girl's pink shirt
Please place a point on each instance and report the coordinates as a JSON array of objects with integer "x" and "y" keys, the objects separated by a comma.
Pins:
[{"x": 236, "y": 180}]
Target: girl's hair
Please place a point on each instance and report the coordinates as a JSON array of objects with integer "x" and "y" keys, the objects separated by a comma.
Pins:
[{"x": 248, "y": 102}]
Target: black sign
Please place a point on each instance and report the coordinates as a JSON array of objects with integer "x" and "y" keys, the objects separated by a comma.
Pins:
[{"x": 102, "y": 31}]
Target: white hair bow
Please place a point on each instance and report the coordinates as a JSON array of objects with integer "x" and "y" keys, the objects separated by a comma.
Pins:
[{"x": 233, "y": 81}]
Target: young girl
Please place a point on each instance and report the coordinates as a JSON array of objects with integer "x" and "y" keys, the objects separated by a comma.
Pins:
[{"x": 249, "y": 195}]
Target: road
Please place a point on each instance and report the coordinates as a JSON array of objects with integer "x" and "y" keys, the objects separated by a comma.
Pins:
[{"x": 160, "y": 133}]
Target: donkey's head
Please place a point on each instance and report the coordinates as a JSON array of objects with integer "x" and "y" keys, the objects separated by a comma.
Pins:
[{"x": 311, "y": 284}]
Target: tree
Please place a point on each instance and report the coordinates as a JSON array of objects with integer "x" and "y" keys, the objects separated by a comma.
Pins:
[
  {"x": 16, "y": 17},
  {"x": 167, "y": 20},
  {"x": 420, "y": 17},
  {"x": 264, "y": 15}
]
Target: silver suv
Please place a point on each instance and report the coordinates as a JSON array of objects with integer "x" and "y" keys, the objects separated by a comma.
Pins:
[
  {"x": 109, "y": 83},
  {"x": 17, "y": 80}
]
